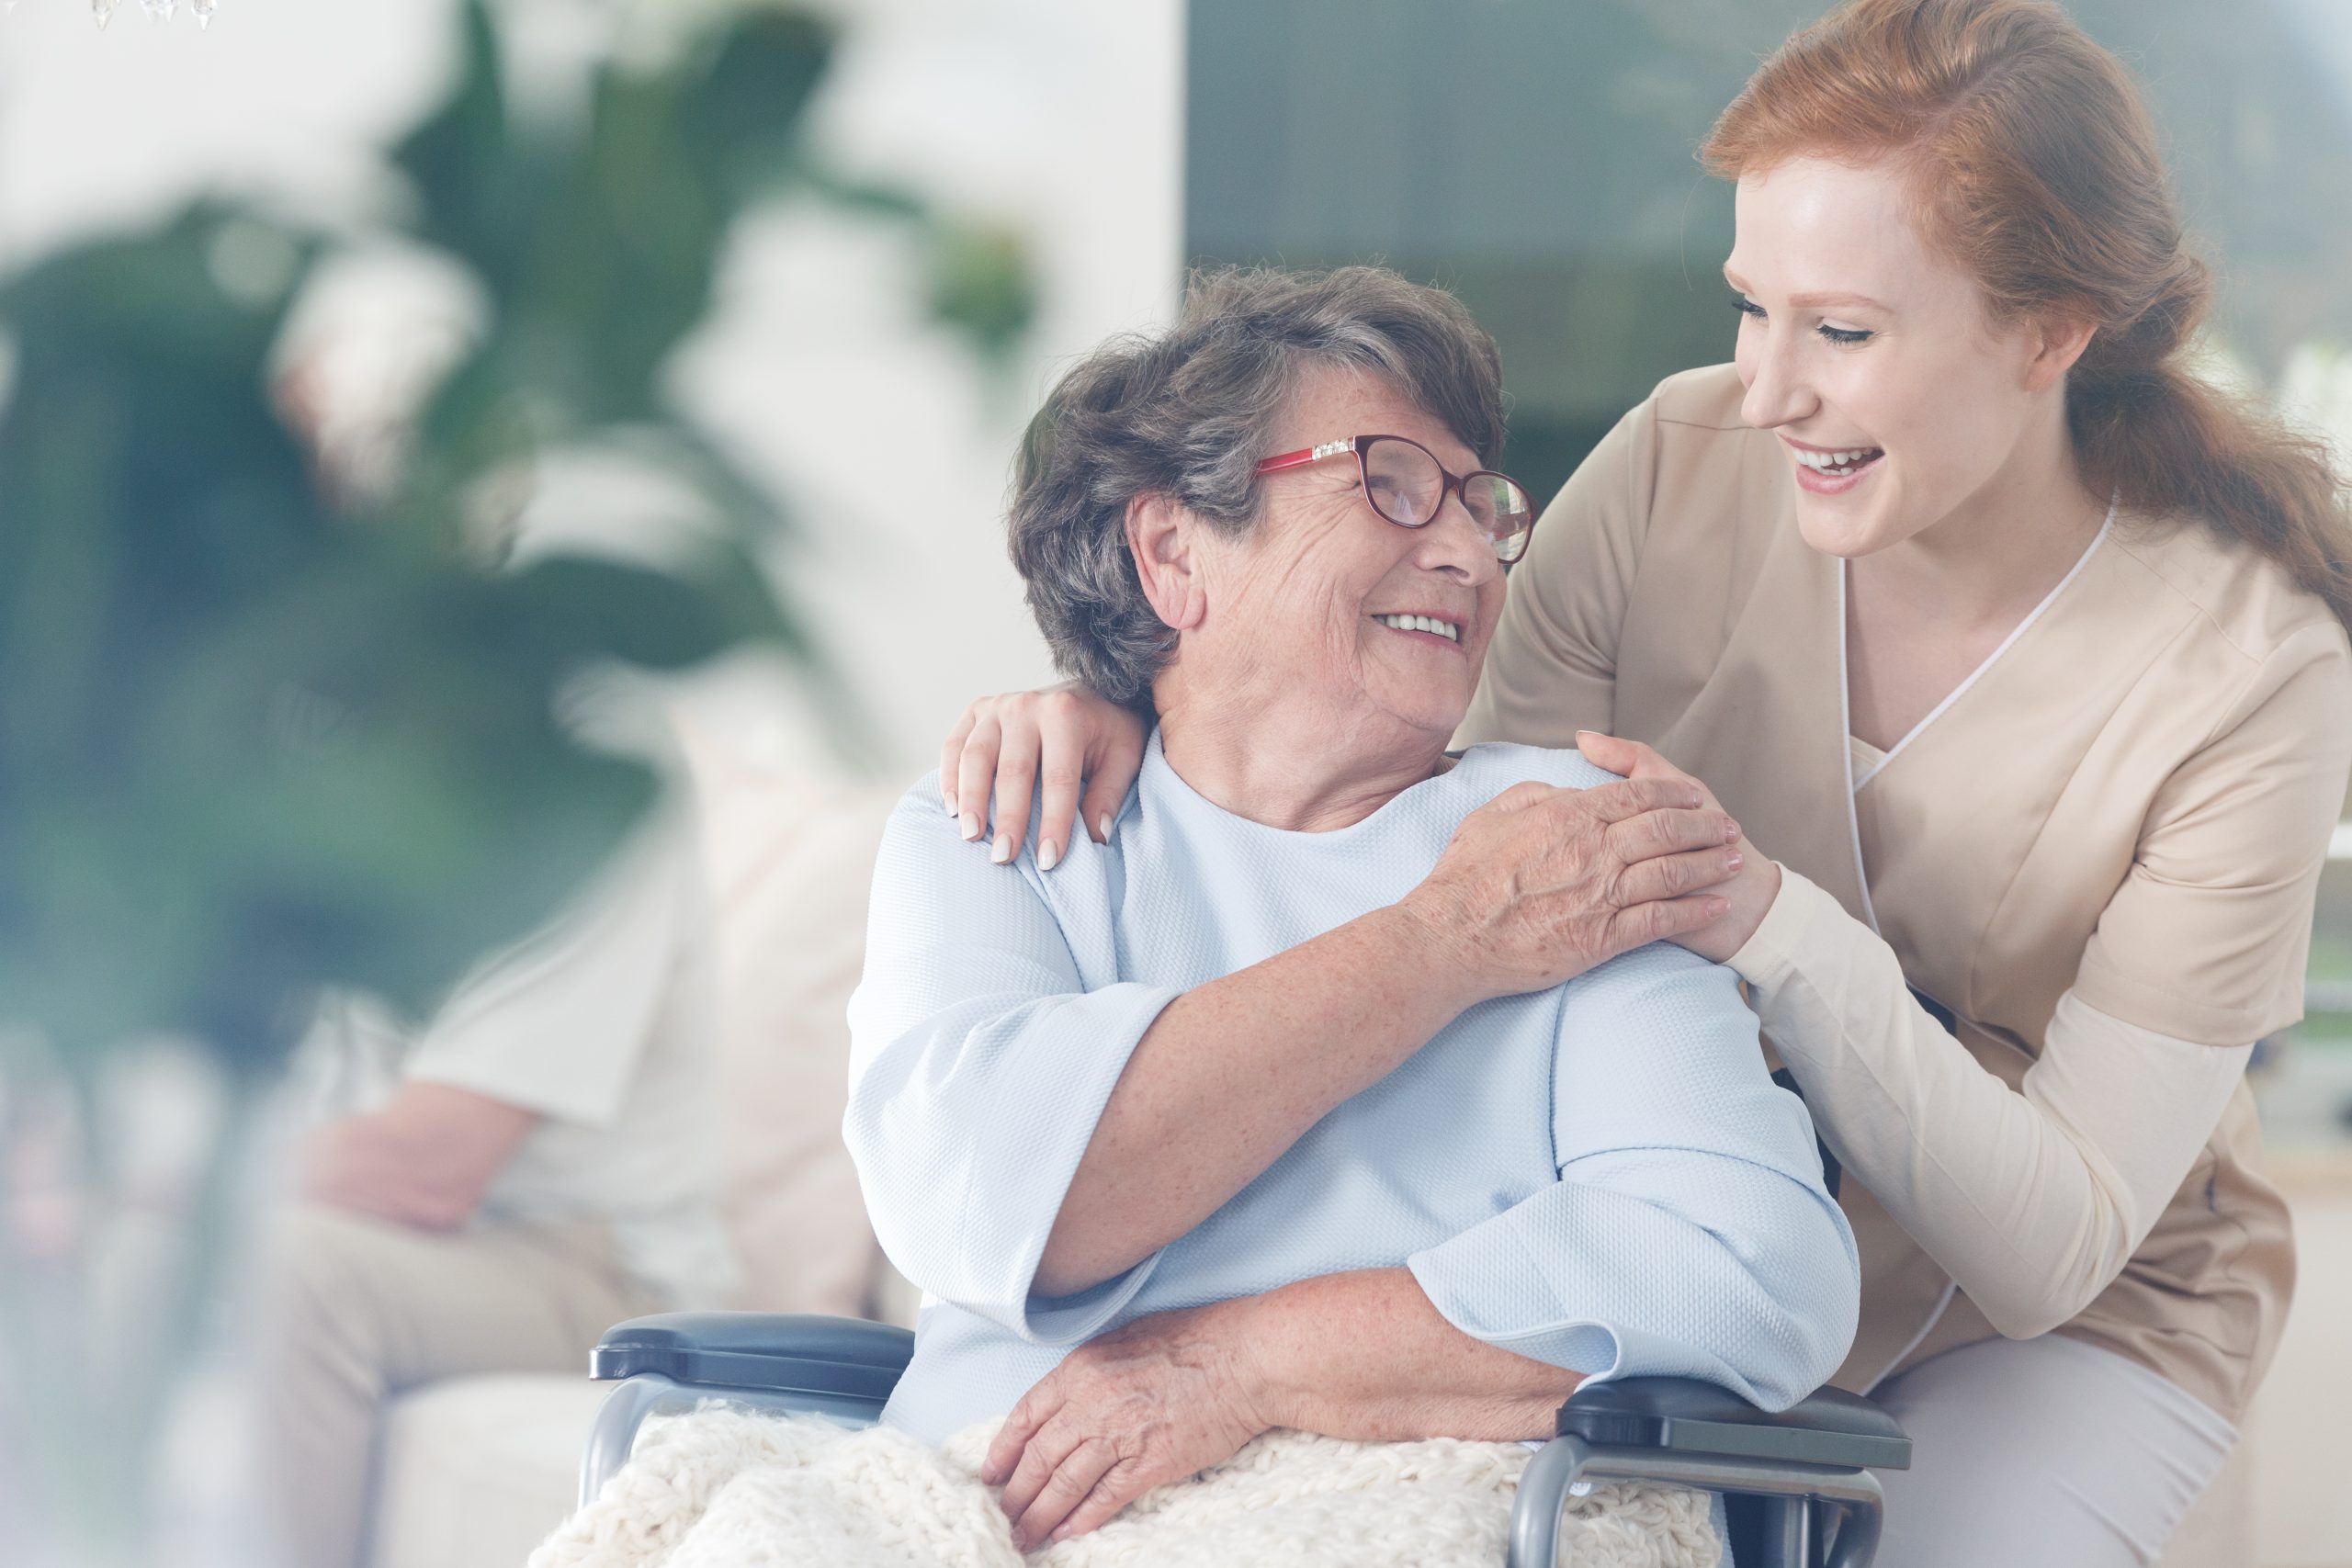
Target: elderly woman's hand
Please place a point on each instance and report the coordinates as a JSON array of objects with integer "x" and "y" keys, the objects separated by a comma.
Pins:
[
  {"x": 1540, "y": 885},
  {"x": 1063, "y": 736},
  {"x": 1158, "y": 1399},
  {"x": 1747, "y": 896}
]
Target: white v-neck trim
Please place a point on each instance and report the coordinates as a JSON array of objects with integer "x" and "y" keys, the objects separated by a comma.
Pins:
[
  {"x": 1973, "y": 675},
  {"x": 1846, "y": 752}
]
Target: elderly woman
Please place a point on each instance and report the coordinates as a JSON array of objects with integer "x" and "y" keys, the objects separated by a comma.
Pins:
[{"x": 1157, "y": 1205}]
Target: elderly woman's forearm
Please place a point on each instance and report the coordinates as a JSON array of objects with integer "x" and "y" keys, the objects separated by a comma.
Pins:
[
  {"x": 1365, "y": 1355},
  {"x": 1232, "y": 1074}
]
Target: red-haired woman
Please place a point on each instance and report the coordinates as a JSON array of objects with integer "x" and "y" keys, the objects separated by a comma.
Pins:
[{"x": 2019, "y": 654}]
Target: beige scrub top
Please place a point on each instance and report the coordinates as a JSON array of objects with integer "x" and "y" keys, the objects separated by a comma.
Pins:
[{"x": 2131, "y": 802}]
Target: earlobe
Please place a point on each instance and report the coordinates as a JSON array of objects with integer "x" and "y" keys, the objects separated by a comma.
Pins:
[{"x": 1160, "y": 537}]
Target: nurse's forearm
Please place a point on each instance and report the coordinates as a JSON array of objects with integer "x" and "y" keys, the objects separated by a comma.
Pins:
[
  {"x": 1232, "y": 1074},
  {"x": 1363, "y": 1355},
  {"x": 2032, "y": 1199}
]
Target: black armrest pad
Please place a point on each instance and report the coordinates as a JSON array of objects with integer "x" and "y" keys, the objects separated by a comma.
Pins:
[
  {"x": 784, "y": 1352},
  {"x": 1832, "y": 1428}
]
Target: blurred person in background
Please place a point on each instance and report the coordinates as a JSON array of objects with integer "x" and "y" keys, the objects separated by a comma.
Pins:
[
  {"x": 546, "y": 1165},
  {"x": 2024, "y": 651}
]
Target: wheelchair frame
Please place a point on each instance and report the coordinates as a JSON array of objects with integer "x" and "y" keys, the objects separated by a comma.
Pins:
[{"x": 1797, "y": 1483}]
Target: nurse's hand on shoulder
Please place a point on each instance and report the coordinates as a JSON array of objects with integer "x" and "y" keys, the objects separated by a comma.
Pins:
[
  {"x": 1540, "y": 884},
  {"x": 1748, "y": 895},
  {"x": 1064, "y": 737}
]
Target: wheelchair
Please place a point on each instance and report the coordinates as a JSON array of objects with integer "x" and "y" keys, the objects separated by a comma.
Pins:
[{"x": 1798, "y": 1485}]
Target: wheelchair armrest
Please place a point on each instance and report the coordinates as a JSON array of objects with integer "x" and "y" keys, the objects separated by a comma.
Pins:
[
  {"x": 765, "y": 1351},
  {"x": 841, "y": 1367},
  {"x": 1684, "y": 1415}
]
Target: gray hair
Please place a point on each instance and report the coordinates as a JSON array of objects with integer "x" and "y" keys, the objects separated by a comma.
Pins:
[{"x": 1187, "y": 414}]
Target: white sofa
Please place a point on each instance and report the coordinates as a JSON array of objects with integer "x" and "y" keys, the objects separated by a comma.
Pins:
[{"x": 475, "y": 1471}]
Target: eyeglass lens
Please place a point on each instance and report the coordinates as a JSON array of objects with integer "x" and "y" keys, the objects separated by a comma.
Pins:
[{"x": 1407, "y": 485}]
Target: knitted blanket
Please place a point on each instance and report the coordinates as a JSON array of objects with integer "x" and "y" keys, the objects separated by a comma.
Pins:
[{"x": 726, "y": 1488}]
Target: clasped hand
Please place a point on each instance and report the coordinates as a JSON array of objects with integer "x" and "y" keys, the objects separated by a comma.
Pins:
[{"x": 1540, "y": 884}]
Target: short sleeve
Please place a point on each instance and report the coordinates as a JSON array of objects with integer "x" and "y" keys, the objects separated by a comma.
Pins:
[
  {"x": 559, "y": 1022},
  {"x": 2209, "y": 935},
  {"x": 1552, "y": 668}
]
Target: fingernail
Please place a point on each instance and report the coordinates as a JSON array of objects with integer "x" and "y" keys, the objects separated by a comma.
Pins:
[
  {"x": 951, "y": 803},
  {"x": 1003, "y": 850},
  {"x": 972, "y": 827},
  {"x": 1049, "y": 854},
  {"x": 1103, "y": 829},
  {"x": 1731, "y": 832},
  {"x": 1736, "y": 860}
]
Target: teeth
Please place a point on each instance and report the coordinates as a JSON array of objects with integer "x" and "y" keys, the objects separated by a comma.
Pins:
[
  {"x": 1445, "y": 629},
  {"x": 1826, "y": 462}
]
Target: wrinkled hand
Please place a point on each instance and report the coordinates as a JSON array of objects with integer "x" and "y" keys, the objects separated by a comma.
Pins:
[
  {"x": 1159, "y": 1400},
  {"x": 1540, "y": 884},
  {"x": 1064, "y": 736},
  {"x": 1748, "y": 895}
]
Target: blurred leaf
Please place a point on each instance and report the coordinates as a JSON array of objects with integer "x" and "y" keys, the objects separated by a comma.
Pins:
[
  {"x": 981, "y": 285},
  {"x": 980, "y": 278},
  {"x": 742, "y": 119},
  {"x": 251, "y": 744},
  {"x": 476, "y": 187}
]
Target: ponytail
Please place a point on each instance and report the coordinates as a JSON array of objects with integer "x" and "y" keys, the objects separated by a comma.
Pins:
[{"x": 2167, "y": 442}]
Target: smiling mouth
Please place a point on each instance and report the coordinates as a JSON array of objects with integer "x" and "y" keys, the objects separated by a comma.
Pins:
[
  {"x": 1839, "y": 465},
  {"x": 1449, "y": 630}
]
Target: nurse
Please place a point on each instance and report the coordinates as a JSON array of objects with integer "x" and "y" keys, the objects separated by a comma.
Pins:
[{"x": 2019, "y": 654}]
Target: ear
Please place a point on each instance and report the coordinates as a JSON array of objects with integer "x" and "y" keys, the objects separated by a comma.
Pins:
[
  {"x": 1161, "y": 535},
  {"x": 2059, "y": 341}
]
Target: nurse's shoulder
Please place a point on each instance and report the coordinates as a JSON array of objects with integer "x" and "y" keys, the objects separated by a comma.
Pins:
[
  {"x": 1705, "y": 397},
  {"x": 1705, "y": 489},
  {"x": 2242, "y": 596}
]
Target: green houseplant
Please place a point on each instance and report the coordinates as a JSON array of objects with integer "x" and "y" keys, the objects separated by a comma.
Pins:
[{"x": 262, "y": 732}]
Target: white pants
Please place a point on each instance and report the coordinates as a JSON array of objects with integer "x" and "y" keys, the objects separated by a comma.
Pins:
[{"x": 2043, "y": 1453}]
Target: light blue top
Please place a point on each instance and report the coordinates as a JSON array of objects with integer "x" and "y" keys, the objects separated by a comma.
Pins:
[{"x": 1600, "y": 1176}]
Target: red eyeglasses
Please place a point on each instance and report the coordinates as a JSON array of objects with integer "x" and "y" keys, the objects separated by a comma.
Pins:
[{"x": 1407, "y": 485}]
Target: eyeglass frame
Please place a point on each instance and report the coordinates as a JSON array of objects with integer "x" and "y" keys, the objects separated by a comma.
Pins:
[{"x": 1453, "y": 484}]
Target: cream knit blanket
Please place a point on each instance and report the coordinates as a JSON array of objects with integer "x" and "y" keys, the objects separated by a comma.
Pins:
[{"x": 726, "y": 1488}]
